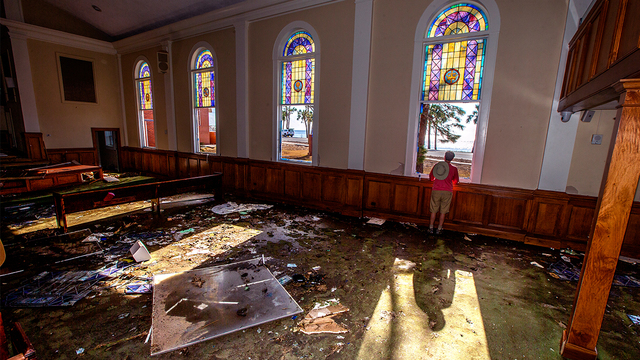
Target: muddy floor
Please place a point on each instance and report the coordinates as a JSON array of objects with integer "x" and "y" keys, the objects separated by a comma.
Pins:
[{"x": 410, "y": 295}]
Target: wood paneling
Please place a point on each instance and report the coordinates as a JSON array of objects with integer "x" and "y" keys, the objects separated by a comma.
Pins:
[
  {"x": 85, "y": 156},
  {"x": 507, "y": 212},
  {"x": 292, "y": 184},
  {"x": 541, "y": 218},
  {"x": 469, "y": 207},
  {"x": 378, "y": 195},
  {"x": 333, "y": 188},
  {"x": 311, "y": 186},
  {"x": 406, "y": 198},
  {"x": 580, "y": 223},
  {"x": 35, "y": 146}
]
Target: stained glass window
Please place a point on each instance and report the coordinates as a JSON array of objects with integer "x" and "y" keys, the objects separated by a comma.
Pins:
[
  {"x": 145, "y": 95},
  {"x": 204, "y": 80},
  {"x": 453, "y": 70},
  {"x": 460, "y": 18},
  {"x": 298, "y": 76}
]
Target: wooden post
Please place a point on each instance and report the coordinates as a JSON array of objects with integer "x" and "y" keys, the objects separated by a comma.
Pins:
[{"x": 614, "y": 205}]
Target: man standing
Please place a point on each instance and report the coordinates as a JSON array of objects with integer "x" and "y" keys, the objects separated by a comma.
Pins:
[{"x": 444, "y": 176}]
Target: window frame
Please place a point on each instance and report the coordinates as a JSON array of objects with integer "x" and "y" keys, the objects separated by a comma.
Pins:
[
  {"x": 421, "y": 41},
  {"x": 278, "y": 60},
  {"x": 140, "y": 112},
  {"x": 197, "y": 48}
]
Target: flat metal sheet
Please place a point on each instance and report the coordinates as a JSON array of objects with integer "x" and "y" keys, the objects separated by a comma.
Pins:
[{"x": 198, "y": 305}]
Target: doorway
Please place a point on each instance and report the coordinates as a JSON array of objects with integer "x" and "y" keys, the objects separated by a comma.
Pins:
[{"x": 107, "y": 144}]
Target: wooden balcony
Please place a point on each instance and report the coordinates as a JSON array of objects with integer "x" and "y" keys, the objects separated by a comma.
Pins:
[{"x": 605, "y": 49}]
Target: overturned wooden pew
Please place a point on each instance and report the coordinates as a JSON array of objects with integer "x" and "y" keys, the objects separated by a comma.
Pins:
[{"x": 95, "y": 199}]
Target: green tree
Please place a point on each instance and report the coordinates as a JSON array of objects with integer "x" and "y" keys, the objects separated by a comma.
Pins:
[
  {"x": 286, "y": 116},
  {"x": 306, "y": 116},
  {"x": 442, "y": 119},
  {"x": 474, "y": 115}
]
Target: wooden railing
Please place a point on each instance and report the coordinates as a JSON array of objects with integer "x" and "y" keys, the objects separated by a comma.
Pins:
[
  {"x": 536, "y": 217},
  {"x": 605, "y": 49}
]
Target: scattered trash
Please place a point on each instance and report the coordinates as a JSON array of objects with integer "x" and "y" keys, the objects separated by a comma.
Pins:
[
  {"x": 140, "y": 252},
  {"x": 316, "y": 268},
  {"x": 467, "y": 238},
  {"x": 319, "y": 321},
  {"x": 376, "y": 221},
  {"x": 300, "y": 279},
  {"x": 122, "y": 316},
  {"x": 109, "y": 196},
  {"x": 231, "y": 207},
  {"x": 285, "y": 280},
  {"x": 292, "y": 265},
  {"x": 629, "y": 260},
  {"x": 79, "y": 351},
  {"x": 565, "y": 258},
  {"x": 139, "y": 288},
  {"x": 536, "y": 264},
  {"x": 564, "y": 271},
  {"x": 110, "y": 179},
  {"x": 186, "y": 231},
  {"x": 545, "y": 254},
  {"x": 635, "y": 319}
]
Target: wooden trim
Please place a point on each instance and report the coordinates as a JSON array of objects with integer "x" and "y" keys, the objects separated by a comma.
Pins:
[
  {"x": 615, "y": 44},
  {"x": 537, "y": 217},
  {"x": 36, "y": 149},
  {"x": 615, "y": 204},
  {"x": 597, "y": 46},
  {"x": 62, "y": 155}
]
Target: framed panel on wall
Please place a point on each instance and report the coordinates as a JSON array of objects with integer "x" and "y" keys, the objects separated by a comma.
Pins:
[{"x": 77, "y": 79}]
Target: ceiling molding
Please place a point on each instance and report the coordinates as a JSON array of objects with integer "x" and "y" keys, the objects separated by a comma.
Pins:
[
  {"x": 57, "y": 37},
  {"x": 215, "y": 20}
]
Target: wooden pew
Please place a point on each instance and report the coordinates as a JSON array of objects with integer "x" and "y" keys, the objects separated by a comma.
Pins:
[{"x": 95, "y": 199}]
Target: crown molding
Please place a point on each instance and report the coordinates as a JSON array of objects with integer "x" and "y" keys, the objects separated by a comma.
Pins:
[
  {"x": 251, "y": 10},
  {"x": 20, "y": 30}
]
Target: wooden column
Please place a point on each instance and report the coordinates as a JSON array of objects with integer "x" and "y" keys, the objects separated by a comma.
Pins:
[{"x": 614, "y": 205}]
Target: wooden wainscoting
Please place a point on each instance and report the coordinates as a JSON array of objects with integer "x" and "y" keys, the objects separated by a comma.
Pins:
[
  {"x": 543, "y": 218},
  {"x": 85, "y": 156}
]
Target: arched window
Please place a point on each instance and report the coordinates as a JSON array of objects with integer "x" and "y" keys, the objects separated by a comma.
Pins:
[
  {"x": 453, "y": 69},
  {"x": 145, "y": 105},
  {"x": 454, "y": 43},
  {"x": 203, "y": 88},
  {"x": 297, "y": 99}
]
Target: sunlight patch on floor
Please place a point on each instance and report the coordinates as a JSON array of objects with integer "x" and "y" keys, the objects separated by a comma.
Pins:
[
  {"x": 199, "y": 248},
  {"x": 81, "y": 217},
  {"x": 399, "y": 329}
]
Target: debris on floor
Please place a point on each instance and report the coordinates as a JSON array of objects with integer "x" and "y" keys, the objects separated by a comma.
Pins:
[
  {"x": 376, "y": 221},
  {"x": 202, "y": 304},
  {"x": 635, "y": 319},
  {"x": 321, "y": 320},
  {"x": 231, "y": 207}
]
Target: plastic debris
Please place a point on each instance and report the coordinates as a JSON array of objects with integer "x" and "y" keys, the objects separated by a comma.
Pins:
[
  {"x": 376, "y": 221},
  {"x": 139, "y": 288},
  {"x": 231, "y": 207},
  {"x": 285, "y": 280},
  {"x": 109, "y": 196},
  {"x": 79, "y": 351},
  {"x": 536, "y": 264},
  {"x": 292, "y": 265},
  {"x": 635, "y": 319},
  {"x": 316, "y": 268},
  {"x": 140, "y": 252}
]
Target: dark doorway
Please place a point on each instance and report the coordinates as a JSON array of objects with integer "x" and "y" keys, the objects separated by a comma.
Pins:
[{"x": 107, "y": 142}]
